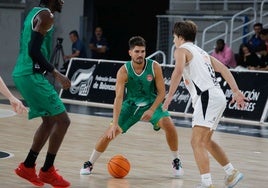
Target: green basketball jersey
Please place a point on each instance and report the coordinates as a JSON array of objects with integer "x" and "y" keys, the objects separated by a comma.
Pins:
[
  {"x": 24, "y": 64},
  {"x": 141, "y": 89}
]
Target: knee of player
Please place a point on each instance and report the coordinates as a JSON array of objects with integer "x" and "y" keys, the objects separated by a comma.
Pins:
[
  {"x": 64, "y": 121},
  {"x": 196, "y": 142},
  {"x": 166, "y": 123}
]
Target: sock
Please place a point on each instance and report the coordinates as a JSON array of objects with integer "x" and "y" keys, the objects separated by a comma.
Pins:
[
  {"x": 31, "y": 159},
  {"x": 48, "y": 162},
  {"x": 175, "y": 154},
  {"x": 206, "y": 179},
  {"x": 228, "y": 168},
  {"x": 94, "y": 156}
]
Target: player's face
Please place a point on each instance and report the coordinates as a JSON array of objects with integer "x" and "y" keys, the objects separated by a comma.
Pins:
[
  {"x": 177, "y": 40},
  {"x": 137, "y": 54},
  {"x": 57, "y": 6}
]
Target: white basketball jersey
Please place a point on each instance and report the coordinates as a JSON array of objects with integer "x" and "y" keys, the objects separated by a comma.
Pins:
[{"x": 198, "y": 74}]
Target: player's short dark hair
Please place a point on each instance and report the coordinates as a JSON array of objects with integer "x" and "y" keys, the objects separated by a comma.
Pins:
[
  {"x": 186, "y": 29},
  {"x": 136, "y": 41}
]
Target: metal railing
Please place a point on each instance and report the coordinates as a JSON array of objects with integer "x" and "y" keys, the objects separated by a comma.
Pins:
[
  {"x": 222, "y": 35},
  {"x": 225, "y": 3},
  {"x": 226, "y": 32},
  {"x": 233, "y": 29},
  {"x": 262, "y": 13},
  {"x": 156, "y": 54}
]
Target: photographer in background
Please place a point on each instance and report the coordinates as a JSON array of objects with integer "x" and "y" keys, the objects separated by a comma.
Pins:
[{"x": 78, "y": 49}]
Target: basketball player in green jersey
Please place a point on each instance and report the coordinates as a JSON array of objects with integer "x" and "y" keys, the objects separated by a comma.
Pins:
[
  {"x": 40, "y": 95},
  {"x": 145, "y": 90}
]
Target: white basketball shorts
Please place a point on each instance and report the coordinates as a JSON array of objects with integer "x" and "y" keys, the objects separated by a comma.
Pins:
[{"x": 209, "y": 108}]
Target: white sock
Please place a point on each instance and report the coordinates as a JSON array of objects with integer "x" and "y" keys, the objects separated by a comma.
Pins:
[
  {"x": 206, "y": 179},
  {"x": 94, "y": 156},
  {"x": 228, "y": 168},
  {"x": 175, "y": 154}
]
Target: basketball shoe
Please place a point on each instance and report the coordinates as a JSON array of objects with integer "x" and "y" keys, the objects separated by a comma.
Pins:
[
  {"x": 233, "y": 179},
  {"x": 203, "y": 186},
  {"x": 86, "y": 169},
  {"x": 29, "y": 174},
  {"x": 177, "y": 168},
  {"x": 53, "y": 178}
]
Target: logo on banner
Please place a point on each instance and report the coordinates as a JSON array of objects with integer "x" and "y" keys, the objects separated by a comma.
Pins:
[
  {"x": 253, "y": 97},
  {"x": 81, "y": 81},
  {"x": 181, "y": 95},
  {"x": 253, "y": 86}
]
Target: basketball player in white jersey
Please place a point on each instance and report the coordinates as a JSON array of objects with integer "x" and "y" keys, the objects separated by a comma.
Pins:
[{"x": 198, "y": 71}]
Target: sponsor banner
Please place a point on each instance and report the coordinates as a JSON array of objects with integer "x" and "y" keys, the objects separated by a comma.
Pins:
[
  {"x": 254, "y": 85},
  {"x": 94, "y": 81},
  {"x": 181, "y": 96},
  {"x": 103, "y": 85},
  {"x": 81, "y": 74}
]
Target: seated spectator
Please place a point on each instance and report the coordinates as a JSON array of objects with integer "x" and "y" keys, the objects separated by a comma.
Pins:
[
  {"x": 224, "y": 54},
  {"x": 264, "y": 52},
  {"x": 99, "y": 45},
  {"x": 248, "y": 58},
  {"x": 255, "y": 42},
  {"x": 78, "y": 49},
  {"x": 264, "y": 37}
]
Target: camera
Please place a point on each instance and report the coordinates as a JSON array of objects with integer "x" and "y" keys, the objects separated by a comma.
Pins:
[{"x": 59, "y": 40}]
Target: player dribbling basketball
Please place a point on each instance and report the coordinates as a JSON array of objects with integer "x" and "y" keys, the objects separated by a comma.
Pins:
[{"x": 143, "y": 80}]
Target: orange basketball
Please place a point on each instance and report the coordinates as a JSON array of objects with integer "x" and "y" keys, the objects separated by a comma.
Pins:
[{"x": 118, "y": 166}]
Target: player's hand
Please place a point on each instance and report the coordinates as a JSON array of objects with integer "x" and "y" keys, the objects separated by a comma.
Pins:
[
  {"x": 65, "y": 82},
  {"x": 147, "y": 115},
  {"x": 62, "y": 79},
  {"x": 240, "y": 99},
  {"x": 17, "y": 105},
  {"x": 111, "y": 133}
]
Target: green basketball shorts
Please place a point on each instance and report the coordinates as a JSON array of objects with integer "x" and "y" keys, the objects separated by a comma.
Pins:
[{"x": 40, "y": 95}]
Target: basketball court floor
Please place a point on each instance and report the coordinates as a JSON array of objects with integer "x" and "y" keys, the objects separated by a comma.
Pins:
[{"x": 146, "y": 150}]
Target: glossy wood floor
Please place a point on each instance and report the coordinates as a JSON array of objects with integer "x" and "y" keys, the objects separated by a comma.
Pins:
[{"x": 146, "y": 150}]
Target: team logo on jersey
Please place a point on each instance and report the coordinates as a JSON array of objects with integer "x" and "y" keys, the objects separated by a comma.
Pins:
[{"x": 149, "y": 77}]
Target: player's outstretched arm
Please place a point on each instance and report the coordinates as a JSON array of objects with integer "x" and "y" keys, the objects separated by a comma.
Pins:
[
  {"x": 238, "y": 96},
  {"x": 17, "y": 105}
]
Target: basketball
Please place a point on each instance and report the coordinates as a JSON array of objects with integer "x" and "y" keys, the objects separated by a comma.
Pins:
[{"x": 118, "y": 166}]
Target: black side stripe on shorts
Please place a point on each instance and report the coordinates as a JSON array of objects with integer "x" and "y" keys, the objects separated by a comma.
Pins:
[{"x": 204, "y": 99}]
